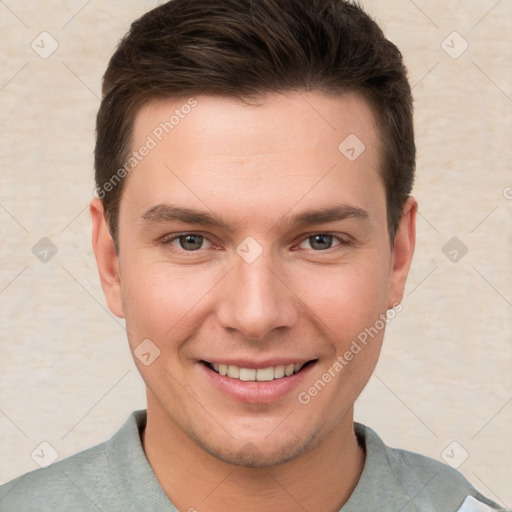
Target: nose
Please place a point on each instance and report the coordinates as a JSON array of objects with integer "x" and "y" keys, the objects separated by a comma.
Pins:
[{"x": 256, "y": 299}]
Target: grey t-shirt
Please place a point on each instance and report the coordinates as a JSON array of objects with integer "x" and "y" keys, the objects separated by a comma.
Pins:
[{"x": 116, "y": 476}]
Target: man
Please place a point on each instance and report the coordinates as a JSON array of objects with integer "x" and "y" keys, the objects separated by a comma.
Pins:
[{"x": 254, "y": 161}]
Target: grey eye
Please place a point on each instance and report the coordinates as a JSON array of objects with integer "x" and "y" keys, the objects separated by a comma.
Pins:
[
  {"x": 321, "y": 241},
  {"x": 191, "y": 242}
]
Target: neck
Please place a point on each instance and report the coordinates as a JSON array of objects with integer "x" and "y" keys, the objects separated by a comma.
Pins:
[{"x": 321, "y": 479}]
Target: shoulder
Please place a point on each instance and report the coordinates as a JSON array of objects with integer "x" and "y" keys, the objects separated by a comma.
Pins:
[
  {"x": 85, "y": 481},
  {"x": 412, "y": 468},
  {"x": 61, "y": 486},
  {"x": 427, "y": 484},
  {"x": 436, "y": 483}
]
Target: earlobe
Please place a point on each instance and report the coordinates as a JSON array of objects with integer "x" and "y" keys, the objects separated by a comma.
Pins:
[
  {"x": 403, "y": 250},
  {"x": 106, "y": 258}
]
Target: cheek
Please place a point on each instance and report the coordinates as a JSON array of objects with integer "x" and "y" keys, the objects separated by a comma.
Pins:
[
  {"x": 347, "y": 298},
  {"x": 158, "y": 299},
  {"x": 351, "y": 309}
]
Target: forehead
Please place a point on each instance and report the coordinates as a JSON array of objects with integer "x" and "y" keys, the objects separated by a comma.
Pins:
[
  {"x": 274, "y": 122},
  {"x": 284, "y": 145}
]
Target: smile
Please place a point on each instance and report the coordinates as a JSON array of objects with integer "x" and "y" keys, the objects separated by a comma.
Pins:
[{"x": 256, "y": 374}]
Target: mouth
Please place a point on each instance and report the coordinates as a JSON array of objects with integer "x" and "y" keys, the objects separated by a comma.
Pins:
[{"x": 267, "y": 374}]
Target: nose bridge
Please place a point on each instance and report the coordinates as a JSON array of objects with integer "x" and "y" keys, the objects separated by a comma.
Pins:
[{"x": 256, "y": 301}]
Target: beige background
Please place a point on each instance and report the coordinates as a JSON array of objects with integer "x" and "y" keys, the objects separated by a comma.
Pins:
[{"x": 66, "y": 374}]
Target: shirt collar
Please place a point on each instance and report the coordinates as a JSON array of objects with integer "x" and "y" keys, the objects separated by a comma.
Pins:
[
  {"x": 377, "y": 471},
  {"x": 133, "y": 476}
]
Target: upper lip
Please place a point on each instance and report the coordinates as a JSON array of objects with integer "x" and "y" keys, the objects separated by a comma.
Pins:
[{"x": 256, "y": 365}]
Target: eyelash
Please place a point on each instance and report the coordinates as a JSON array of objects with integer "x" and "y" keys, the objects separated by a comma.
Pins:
[{"x": 167, "y": 241}]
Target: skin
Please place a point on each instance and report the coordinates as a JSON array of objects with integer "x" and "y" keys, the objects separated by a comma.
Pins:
[{"x": 255, "y": 166}]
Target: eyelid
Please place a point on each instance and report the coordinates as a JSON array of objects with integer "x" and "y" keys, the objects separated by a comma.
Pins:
[
  {"x": 342, "y": 241},
  {"x": 168, "y": 239}
]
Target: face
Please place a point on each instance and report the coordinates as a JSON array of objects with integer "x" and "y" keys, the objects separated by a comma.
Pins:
[{"x": 253, "y": 244}]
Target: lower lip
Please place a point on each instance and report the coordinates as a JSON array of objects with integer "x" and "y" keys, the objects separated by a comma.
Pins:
[{"x": 254, "y": 392}]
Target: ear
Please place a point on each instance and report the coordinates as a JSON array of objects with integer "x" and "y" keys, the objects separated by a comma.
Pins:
[
  {"x": 106, "y": 258},
  {"x": 403, "y": 250}
]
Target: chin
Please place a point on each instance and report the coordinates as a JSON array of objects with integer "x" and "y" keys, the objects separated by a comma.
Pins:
[{"x": 259, "y": 454}]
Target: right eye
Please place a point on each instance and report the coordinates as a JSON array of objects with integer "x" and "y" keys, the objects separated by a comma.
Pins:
[{"x": 187, "y": 242}]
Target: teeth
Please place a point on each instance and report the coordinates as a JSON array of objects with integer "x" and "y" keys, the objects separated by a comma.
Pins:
[
  {"x": 264, "y": 374},
  {"x": 247, "y": 374},
  {"x": 233, "y": 371},
  {"x": 279, "y": 372},
  {"x": 259, "y": 375}
]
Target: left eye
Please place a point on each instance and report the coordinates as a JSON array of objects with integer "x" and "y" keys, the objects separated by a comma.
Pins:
[
  {"x": 188, "y": 242},
  {"x": 321, "y": 241}
]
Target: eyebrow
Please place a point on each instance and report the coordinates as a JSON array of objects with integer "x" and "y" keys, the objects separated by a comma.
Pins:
[
  {"x": 163, "y": 213},
  {"x": 325, "y": 215}
]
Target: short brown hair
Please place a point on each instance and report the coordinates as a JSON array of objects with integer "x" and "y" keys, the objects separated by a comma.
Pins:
[{"x": 245, "y": 49}]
